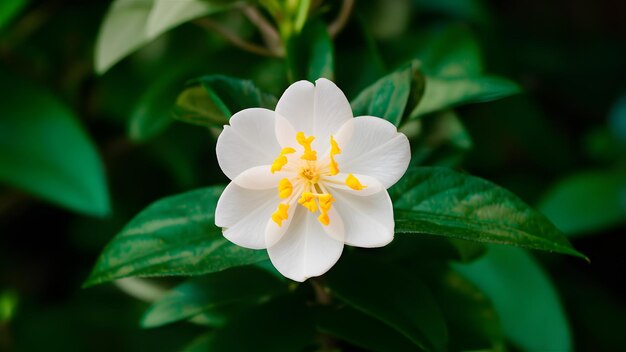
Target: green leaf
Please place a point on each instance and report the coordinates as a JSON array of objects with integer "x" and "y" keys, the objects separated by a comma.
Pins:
[
  {"x": 389, "y": 96},
  {"x": 450, "y": 51},
  {"x": 442, "y": 93},
  {"x": 443, "y": 202},
  {"x": 310, "y": 54},
  {"x": 586, "y": 201},
  {"x": 361, "y": 330},
  {"x": 45, "y": 151},
  {"x": 473, "y": 321},
  {"x": 528, "y": 306},
  {"x": 173, "y": 236},
  {"x": 213, "y": 291},
  {"x": 211, "y": 100},
  {"x": 391, "y": 295},
  {"x": 282, "y": 324},
  {"x": 130, "y": 24},
  {"x": 9, "y": 9}
]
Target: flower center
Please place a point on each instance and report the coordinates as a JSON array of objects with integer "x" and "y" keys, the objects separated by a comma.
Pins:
[
  {"x": 309, "y": 174},
  {"x": 313, "y": 195}
]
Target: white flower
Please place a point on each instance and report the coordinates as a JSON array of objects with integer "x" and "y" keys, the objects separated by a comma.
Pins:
[{"x": 308, "y": 178}]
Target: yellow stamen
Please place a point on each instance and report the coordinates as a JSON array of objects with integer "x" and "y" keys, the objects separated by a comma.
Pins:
[
  {"x": 326, "y": 201},
  {"x": 334, "y": 150},
  {"x": 354, "y": 183},
  {"x": 305, "y": 142},
  {"x": 281, "y": 214},
  {"x": 308, "y": 201},
  {"x": 281, "y": 160},
  {"x": 334, "y": 147},
  {"x": 324, "y": 219},
  {"x": 284, "y": 188}
]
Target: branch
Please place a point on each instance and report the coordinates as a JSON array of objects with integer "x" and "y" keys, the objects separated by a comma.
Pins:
[
  {"x": 233, "y": 38},
  {"x": 268, "y": 32},
  {"x": 342, "y": 18}
]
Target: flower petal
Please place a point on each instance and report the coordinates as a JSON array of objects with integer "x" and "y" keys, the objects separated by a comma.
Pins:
[
  {"x": 243, "y": 213},
  {"x": 305, "y": 250},
  {"x": 368, "y": 220},
  {"x": 375, "y": 149},
  {"x": 332, "y": 110},
  {"x": 296, "y": 105},
  {"x": 317, "y": 110},
  {"x": 372, "y": 185},
  {"x": 260, "y": 177},
  {"x": 249, "y": 141}
]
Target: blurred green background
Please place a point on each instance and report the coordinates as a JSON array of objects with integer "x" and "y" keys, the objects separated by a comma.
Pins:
[{"x": 77, "y": 160}]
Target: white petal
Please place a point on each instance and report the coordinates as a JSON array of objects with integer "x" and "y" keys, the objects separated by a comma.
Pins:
[
  {"x": 296, "y": 105},
  {"x": 273, "y": 232},
  {"x": 335, "y": 229},
  {"x": 339, "y": 182},
  {"x": 305, "y": 250},
  {"x": 249, "y": 141},
  {"x": 318, "y": 110},
  {"x": 368, "y": 220},
  {"x": 260, "y": 177},
  {"x": 332, "y": 110},
  {"x": 242, "y": 214},
  {"x": 375, "y": 149},
  {"x": 286, "y": 134}
]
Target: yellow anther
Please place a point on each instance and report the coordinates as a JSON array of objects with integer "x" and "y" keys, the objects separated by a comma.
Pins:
[
  {"x": 285, "y": 188},
  {"x": 354, "y": 183},
  {"x": 308, "y": 201},
  {"x": 334, "y": 150},
  {"x": 281, "y": 161},
  {"x": 324, "y": 219},
  {"x": 334, "y": 147},
  {"x": 326, "y": 200},
  {"x": 281, "y": 214},
  {"x": 305, "y": 142}
]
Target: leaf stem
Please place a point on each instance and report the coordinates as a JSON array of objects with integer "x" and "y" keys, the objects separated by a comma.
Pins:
[
  {"x": 268, "y": 32},
  {"x": 342, "y": 18},
  {"x": 233, "y": 38}
]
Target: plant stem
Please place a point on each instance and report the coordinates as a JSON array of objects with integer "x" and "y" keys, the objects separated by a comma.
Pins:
[
  {"x": 233, "y": 38},
  {"x": 342, "y": 18}
]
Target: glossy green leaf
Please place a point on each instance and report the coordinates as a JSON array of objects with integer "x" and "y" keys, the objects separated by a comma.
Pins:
[
  {"x": 310, "y": 54},
  {"x": 360, "y": 329},
  {"x": 442, "y": 93},
  {"x": 528, "y": 306},
  {"x": 586, "y": 201},
  {"x": 282, "y": 324},
  {"x": 472, "y": 320},
  {"x": 173, "y": 236},
  {"x": 389, "y": 96},
  {"x": 9, "y": 9},
  {"x": 130, "y": 24},
  {"x": 212, "y": 100},
  {"x": 45, "y": 151},
  {"x": 212, "y": 291},
  {"x": 443, "y": 202},
  {"x": 393, "y": 296},
  {"x": 167, "y": 14}
]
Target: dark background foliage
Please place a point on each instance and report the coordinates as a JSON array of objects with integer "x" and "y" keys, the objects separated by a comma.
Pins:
[{"x": 567, "y": 55}]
